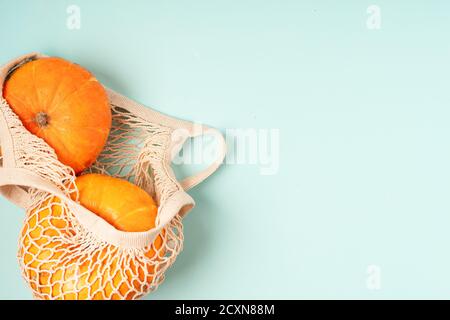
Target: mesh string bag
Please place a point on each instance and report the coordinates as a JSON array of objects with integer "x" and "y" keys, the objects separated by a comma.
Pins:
[{"x": 66, "y": 251}]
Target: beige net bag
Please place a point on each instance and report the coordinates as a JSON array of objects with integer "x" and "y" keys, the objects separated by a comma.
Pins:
[{"x": 68, "y": 252}]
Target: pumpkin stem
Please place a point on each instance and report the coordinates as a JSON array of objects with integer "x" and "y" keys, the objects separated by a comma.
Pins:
[{"x": 42, "y": 119}]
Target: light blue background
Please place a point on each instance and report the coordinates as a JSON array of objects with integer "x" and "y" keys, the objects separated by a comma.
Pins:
[{"x": 364, "y": 126}]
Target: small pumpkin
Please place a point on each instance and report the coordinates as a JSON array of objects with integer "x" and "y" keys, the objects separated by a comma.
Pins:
[
  {"x": 49, "y": 253},
  {"x": 123, "y": 204},
  {"x": 64, "y": 104}
]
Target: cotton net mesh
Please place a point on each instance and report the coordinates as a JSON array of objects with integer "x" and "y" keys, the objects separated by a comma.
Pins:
[
  {"x": 59, "y": 257},
  {"x": 62, "y": 258},
  {"x": 66, "y": 251}
]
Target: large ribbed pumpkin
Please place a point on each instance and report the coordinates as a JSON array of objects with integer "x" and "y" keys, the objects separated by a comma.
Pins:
[
  {"x": 52, "y": 255},
  {"x": 65, "y": 105}
]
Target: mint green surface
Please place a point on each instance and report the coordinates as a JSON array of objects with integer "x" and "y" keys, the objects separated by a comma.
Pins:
[{"x": 363, "y": 115}]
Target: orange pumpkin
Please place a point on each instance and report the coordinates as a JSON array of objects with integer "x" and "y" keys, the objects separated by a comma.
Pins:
[
  {"x": 56, "y": 272},
  {"x": 65, "y": 105},
  {"x": 123, "y": 204}
]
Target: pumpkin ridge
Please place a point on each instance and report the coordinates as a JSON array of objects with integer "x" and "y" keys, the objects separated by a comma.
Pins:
[
  {"x": 93, "y": 128},
  {"x": 80, "y": 87},
  {"x": 62, "y": 144},
  {"x": 129, "y": 213},
  {"x": 17, "y": 98},
  {"x": 36, "y": 98},
  {"x": 51, "y": 105},
  {"x": 70, "y": 140}
]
